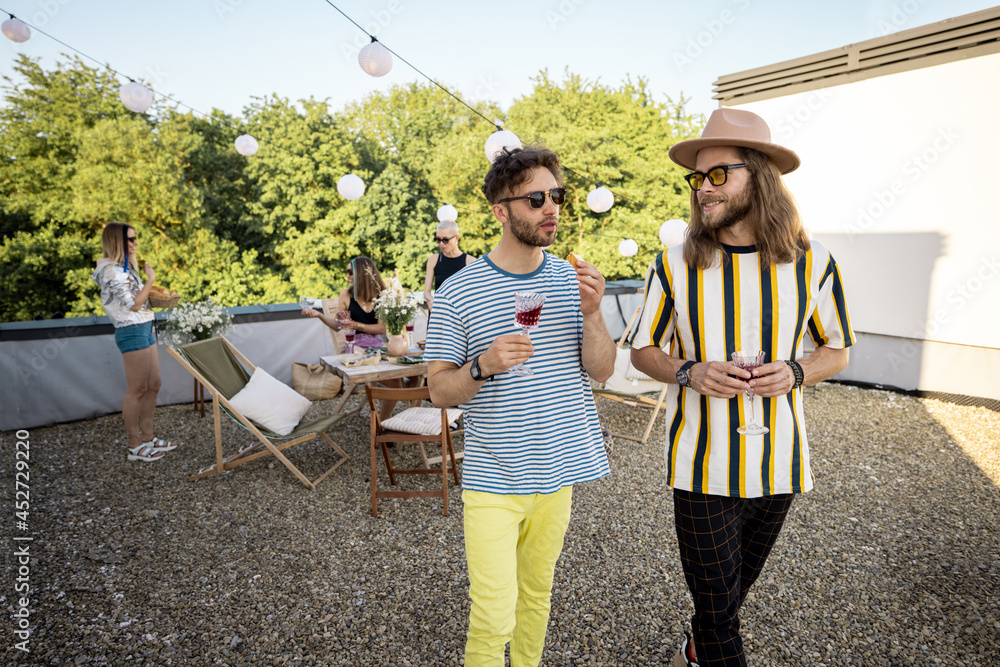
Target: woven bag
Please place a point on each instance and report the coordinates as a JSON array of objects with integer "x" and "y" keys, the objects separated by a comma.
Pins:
[{"x": 315, "y": 382}]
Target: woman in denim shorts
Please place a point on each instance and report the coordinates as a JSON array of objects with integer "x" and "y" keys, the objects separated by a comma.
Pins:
[{"x": 125, "y": 300}]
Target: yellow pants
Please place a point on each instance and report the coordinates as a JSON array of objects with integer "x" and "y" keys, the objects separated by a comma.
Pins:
[{"x": 512, "y": 544}]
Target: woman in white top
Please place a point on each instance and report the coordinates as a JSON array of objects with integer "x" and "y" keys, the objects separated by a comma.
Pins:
[{"x": 125, "y": 300}]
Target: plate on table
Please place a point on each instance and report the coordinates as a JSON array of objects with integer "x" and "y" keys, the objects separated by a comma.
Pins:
[{"x": 409, "y": 361}]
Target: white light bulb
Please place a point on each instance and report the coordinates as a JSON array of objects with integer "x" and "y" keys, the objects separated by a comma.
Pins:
[
  {"x": 600, "y": 200},
  {"x": 447, "y": 213},
  {"x": 375, "y": 59},
  {"x": 350, "y": 187},
  {"x": 672, "y": 232},
  {"x": 500, "y": 140},
  {"x": 246, "y": 145},
  {"x": 15, "y": 30},
  {"x": 136, "y": 97}
]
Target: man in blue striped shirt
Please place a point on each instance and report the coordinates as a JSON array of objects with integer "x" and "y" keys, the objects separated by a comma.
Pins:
[{"x": 528, "y": 440}]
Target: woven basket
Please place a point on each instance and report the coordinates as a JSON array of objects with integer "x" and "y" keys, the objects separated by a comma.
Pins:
[{"x": 164, "y": 303}]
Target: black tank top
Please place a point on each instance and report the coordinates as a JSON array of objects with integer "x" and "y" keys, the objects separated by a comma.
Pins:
[
  {"x": 446, "y": 267},
  {"x": 358, "y": 313}
]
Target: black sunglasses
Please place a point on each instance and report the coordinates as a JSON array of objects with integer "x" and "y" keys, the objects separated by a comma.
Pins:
[
  {"x": 537, "y": 199},
  {"x": 716, "y": 176},
  {"x": 441, "y": 240},
  {"x": 132, "y": 239}
]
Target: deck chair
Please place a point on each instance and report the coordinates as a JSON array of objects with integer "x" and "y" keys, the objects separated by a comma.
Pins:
[
  {"x": 413, "y": 425},
  {"x": 223, "y": 370},
  {"x": 632, "y": 387}
]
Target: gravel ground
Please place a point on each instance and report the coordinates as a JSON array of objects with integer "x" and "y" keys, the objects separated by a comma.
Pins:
[{"x": 892, "y": 560}]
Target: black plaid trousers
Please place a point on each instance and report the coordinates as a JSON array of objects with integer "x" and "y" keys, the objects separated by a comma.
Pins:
[{"x": 724, "y": 543}]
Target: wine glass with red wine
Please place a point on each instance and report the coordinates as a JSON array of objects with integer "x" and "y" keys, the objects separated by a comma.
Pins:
[
  {"x": 749, "y": 361},
  {"x": 349, "y": 337},
  {"x": 527, "y": 310}
]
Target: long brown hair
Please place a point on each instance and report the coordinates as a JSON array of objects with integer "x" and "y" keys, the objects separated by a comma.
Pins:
[
  {"x": 773, "y": 217},
  {"x": 115, "y": 245},
  {"x": 368, "y": 282}
]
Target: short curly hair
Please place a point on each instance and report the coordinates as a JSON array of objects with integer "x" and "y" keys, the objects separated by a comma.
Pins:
[{"x": 512, "y": 167}]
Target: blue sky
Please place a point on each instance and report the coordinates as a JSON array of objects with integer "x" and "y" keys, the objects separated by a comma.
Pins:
[{"x": 222, "y": 53}]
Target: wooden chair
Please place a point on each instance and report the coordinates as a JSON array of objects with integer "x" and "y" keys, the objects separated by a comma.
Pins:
[
  {"x": 223, "y": 370},
  {"x": 339, "y": 341},
  {"x": 381, "y": 437},
  {"x": 631, "y": 387}
]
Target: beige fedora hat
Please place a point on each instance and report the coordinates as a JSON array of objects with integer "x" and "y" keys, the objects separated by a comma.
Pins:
[{"x": 735, "y": 127}]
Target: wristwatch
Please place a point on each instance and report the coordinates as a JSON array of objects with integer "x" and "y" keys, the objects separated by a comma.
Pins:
[
  {"x": 683, "y": 378},
  {"x": 477, "y": 373}
]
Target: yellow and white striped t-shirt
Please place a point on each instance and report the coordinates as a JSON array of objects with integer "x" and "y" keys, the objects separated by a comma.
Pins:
[{"x": 706, "y": 315}]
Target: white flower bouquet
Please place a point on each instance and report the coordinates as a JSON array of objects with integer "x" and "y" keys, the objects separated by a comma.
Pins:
[
  {"x": 394, "y": 308},
  {"x": 198, "y": 320}
]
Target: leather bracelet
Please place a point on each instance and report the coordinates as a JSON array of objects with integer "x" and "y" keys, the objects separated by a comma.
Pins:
[{"x": 800, "y": 376}]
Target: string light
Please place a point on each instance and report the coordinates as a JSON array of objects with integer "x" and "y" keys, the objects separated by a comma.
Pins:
[
  {"x": 136, "y": 97},
  {"x": 15, "y": 30},
  {"x": 600, "y": 200},
  {"x": 447, "y": 213},
  {"x": 246, "y": 145},
  {"x": 500, "y": 140},
  {"x": 350, "y": 187},
  {"x": 375, "y": 59},
  {"x": 672, "y": 232},
  {"x": 628, "y": 247}
]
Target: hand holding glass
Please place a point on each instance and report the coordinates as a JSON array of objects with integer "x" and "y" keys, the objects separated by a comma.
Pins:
[
  {"x": 749, "y": 361},
  {"x": 527, "y": 310}
]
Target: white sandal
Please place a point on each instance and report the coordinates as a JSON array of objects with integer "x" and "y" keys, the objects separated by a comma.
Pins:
[
  {"x": 144, "y": 453},
  {"x": 160, "y": 445}
]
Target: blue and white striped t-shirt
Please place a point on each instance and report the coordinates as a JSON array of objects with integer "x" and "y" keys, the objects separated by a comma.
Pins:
[{"x": 523, "y": 435}]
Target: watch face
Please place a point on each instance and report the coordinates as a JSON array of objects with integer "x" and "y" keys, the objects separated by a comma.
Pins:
[
  {"x": 474, "y": 370},
  {"x": 682, "y": 378}
]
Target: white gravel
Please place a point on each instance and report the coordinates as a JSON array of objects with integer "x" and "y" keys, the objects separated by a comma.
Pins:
[{"x": 894, "y": 558}]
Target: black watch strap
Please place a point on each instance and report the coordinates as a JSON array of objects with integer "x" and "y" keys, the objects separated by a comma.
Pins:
[
  {"x": 477, "y": 372},
  {"x": 800, "y": 376},
  {"x": 683, "y": 379}
]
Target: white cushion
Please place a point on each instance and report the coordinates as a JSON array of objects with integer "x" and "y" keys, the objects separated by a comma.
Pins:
[
  {"x": 421, "y": 421},
  {"x": 627, "y": 380},
  {"x": 271, "y": 403}
]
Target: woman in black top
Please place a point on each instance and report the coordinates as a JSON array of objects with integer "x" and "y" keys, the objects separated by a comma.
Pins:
[{"x": 446, "y": 263}]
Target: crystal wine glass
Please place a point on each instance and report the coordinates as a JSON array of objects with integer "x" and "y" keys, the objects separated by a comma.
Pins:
[
  {"x": 409, "y": 332},
  {"x": 306, "y": 302},
  {"x": 527, "y": 310},
  {"x": 349, "y": 337},
  {"x": 749, "y": 361}
]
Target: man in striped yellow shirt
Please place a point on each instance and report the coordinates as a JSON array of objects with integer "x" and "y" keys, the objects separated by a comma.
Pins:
[{"x": 747, "y": 278}]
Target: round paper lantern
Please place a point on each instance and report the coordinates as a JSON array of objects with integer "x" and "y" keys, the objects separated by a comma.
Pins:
[
  {"x": 447, "y": 213},
  {"x": 498, "y": 141},
  {"x": 600, "y": 200},
  {"x": 350, "y": 187},
  {"x": 672, "y": 232},
  {"x": 15, "y": 30},
  {"x": 136, "y": 97},
  {"x": 628, "y": 247},
  {"x": 246, "y": 145},
  {"x": 375, "y": 59}
]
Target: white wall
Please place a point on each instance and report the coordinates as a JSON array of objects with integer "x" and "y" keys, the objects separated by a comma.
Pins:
[{"x": 897, "y": 179}]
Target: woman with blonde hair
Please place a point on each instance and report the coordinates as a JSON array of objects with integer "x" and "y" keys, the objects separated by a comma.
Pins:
[
  {"x": 448, "y": 261},
  {"x": 125, "y": 300}
]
